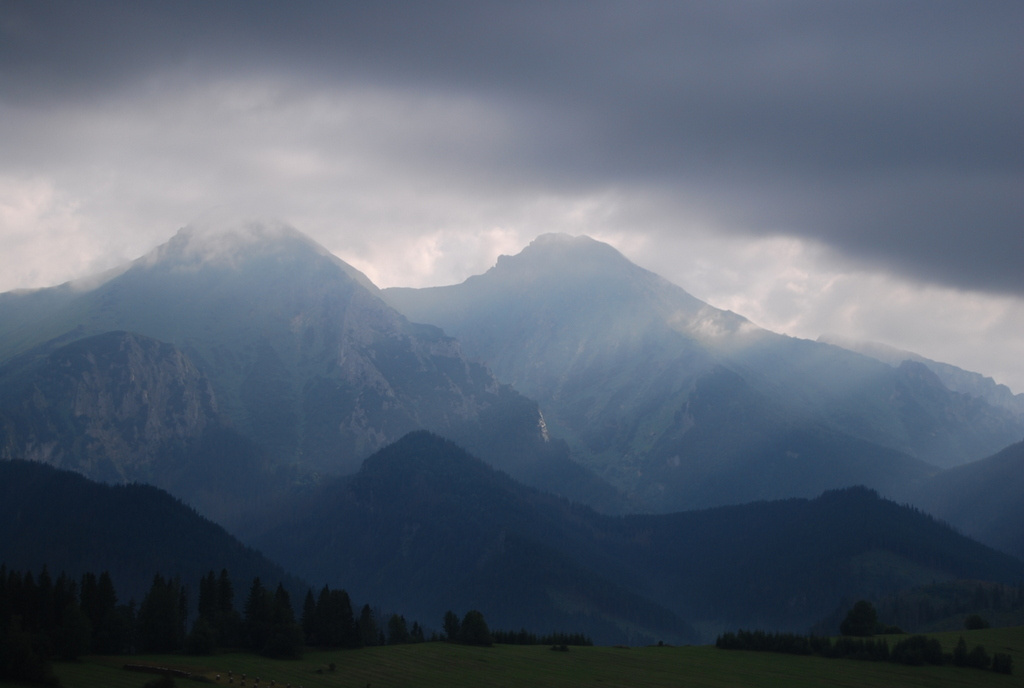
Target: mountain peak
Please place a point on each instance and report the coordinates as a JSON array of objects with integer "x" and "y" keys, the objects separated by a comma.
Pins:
[
  {"x": 583, "y": 245},
  {"x": 563, "y": 239},
  {"x": 229, "y": 241},
  {"x": 557, "y": 237},
  {"x": 563, "y": 258},
  {"x": 225, "y": 241}
]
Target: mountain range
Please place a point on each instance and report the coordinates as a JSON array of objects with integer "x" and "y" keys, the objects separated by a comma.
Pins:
[
  {"x": 423, "y": 525},
  {"x": 567, "y": 441},
  {"x": 261, "y": 331},
  {"x": 424, "y": 528},
  {"x": 683, "y": 405}
]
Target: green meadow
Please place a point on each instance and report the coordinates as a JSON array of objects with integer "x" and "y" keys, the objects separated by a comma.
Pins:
[{"x": 454, "y": 666}]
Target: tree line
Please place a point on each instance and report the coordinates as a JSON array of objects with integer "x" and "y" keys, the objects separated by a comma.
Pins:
[
  {"x": 914, "y": 650},
  {"x": 42, "y": 618},
  {"x": 938, "y": 603},
  {"x": 857, "y": 642}
]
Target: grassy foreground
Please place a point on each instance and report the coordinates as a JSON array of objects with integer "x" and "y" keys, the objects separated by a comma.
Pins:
[{"x": 441, "y": 664}]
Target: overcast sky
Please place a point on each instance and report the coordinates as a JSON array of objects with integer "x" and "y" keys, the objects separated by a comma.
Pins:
[{"x": 845, "y": 167}]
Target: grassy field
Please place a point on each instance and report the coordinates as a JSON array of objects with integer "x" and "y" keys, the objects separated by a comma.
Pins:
[{"x": 440, "y": 664}]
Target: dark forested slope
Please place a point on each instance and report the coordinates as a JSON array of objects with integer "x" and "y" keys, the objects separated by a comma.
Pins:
[
  {"x": 61, "y": 520},
  {"x": 424, "y": 526},
  {"x": 984, "y": 499}
]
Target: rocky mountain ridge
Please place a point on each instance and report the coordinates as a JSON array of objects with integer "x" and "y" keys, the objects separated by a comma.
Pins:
[
  {"x": 303, "y": 358},
  {"x": 683, "y": 405},
  {"x": 646, "y": 397},
  {"x": 953, "y": 377}
]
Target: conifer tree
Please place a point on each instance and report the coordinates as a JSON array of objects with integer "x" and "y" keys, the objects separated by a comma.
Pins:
[
  {"x": 309, "y": 618},
  {"x": 259, "y": 612},
  {"x": 225, "y": 593},
  {"x": 368, "y": 631},
  {"x": 161, "y": 620},
  {"x": 451, "y": 625},
  {"x": 398, "y": 630},
  {"x": 208, "y": 606}
]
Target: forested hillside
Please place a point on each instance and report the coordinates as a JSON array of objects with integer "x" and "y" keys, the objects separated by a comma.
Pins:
[
  {"x": 424, "y": 525},
  {"x": 69, "y": 524}
]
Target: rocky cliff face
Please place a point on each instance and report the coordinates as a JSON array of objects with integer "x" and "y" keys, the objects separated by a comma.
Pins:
[
  {"x": 258, "y": 325},
  {"x": 305, "y": 358},
  {"x": 108, "y": 406}
]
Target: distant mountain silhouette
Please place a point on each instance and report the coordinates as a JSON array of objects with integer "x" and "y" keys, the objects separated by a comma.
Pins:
[
  {"x": 425, "y": 527},
  {"x": 956, "y": 379},
  {"x": 982, "y": 499}
]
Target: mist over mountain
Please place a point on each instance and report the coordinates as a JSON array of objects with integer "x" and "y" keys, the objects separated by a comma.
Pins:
[
  {"x": 982, "y": 499},
  {"x": 256, "y": 330},
  {"x": 683, "y": 405},
  {"x": 956, "y": 379},
  {"x": 294, "y": 350},
  {"x": 270, "y": 386}
]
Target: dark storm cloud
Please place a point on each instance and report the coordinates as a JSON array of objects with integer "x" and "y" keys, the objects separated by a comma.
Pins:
[{"x": 890, "y": 131}]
